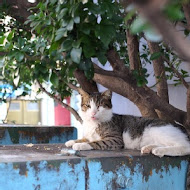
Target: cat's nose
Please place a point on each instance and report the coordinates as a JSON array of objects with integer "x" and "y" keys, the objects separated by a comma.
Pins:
[{"x": 93, "y": 113}]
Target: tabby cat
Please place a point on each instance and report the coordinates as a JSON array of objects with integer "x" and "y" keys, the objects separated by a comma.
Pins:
[{"x": 104, "y": 130}]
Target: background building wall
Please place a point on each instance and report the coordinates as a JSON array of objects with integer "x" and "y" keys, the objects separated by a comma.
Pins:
[{"x": 62, "y": 115}]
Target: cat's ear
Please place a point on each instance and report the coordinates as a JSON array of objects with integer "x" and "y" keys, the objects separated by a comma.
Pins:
[
  {"x": 82, "y": 92},
  {"x": 107, "y": 94}
]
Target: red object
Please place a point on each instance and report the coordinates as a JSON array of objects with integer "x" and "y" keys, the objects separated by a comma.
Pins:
[{"x": 62, "y": 115}]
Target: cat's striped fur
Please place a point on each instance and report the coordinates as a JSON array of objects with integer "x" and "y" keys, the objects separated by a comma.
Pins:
[{"x": 104, "y": 130}]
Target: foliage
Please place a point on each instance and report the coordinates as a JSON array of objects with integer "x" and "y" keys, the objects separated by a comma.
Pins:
[
  {"x": 65, "y": 36},
  {"x": 62, "y": 35}
]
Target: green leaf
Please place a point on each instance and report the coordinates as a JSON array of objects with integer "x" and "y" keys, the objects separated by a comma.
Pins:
[
  {"x": 66, "y": 45},
  {"x": 89, "y": 74},
  {"x": 88, "y": 50},
  {"x": 138, "y": 25},
  {"x": 48, "y": 21},
  {"x": 102, "y": 58},
  {"x": 85, "y": 28},
  {"x": 19, "y": 56},
  {"x": 64, "y": 23},
  {"x": 85, "y": 65},
  {"x": 52, "y": 2},
  {"x": 62, "y": 32},
  {"x": 2, "y": 61},
  {"x": 184, "y": 72},
  {"x": 93, "y": 8},
  {"x": 106, "y": 33},
  {"x": 21, "y": 42},
  {"x": 155, "y": 55},
  {"x": 130, "y": 15},
  {"x": 62, "y": 13},
  {"x": 76, "y": 44},
  {"x": 54, "y": 46},
  {"x": 2, "y": 38},
  {"x": 152, "y": 35},
  {"x": 10, "y": 35},
  {"x": 70, "y": 25},
  {"x": 77, "y": 20},
  {"x": 31, "y": 18},
  {"x": 174, "y": 12},
  {"x": 76, "y": 54},
  {"x": 186, "y": 32}
]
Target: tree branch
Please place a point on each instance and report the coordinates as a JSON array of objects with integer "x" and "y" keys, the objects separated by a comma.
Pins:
[
  {"x": 78, "y": 118},
  {"x": 159, "y": 71},
  {"x": 87, "y": 85},
  {"x": 176, "y": 72},
  {"x": 18, "y": 9},
  {"x": 188, "y": 111},
  {"x": 148, "y": 95},
  {"x": 154, "y": 15},
  {"x": 133, "y": 49},
  {"x": 124, "y": 90},
  {"x": 186, "y": 8},
  {"x": 115, "y": 61}
]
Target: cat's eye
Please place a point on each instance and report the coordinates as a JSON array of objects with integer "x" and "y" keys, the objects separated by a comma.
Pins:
[{"x": 86, "y": 105}]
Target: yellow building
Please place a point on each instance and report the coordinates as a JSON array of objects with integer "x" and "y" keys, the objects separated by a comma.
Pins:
[{"x": 24, "y": 112}]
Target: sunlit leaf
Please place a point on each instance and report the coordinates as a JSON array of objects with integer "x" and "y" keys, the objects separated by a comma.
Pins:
[{"x": 76, "y": 54}]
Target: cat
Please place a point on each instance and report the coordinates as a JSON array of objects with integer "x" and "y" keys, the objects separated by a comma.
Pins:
[{"x": 104, "y": 130}]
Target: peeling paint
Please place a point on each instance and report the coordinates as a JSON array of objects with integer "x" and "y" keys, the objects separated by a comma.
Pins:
[
  {"x": 41, "y": 167},
  {"x": 94, "y": 173},
  {"x": 36, "y": 134}
]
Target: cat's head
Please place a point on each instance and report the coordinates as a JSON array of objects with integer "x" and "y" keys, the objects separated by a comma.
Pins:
[{"x": 96, "y": 107}]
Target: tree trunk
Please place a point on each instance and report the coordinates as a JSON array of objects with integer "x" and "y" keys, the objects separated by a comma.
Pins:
[
  {"x": 133, "y": 50},
  {"x": 18, "y": 9},
  {"x": 186, "y": 8},
  {"x": 161, "y": 80},
  {"x": 87, "y": 85},
  {"x": 149, "y": 96},
  {"x": 188, "y": 111},
  {"x": 151, "y": 10},
  {"x": 121, "y": 87}
]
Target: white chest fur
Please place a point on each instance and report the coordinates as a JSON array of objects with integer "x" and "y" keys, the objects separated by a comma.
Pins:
[{"x": 89, "y": 131}]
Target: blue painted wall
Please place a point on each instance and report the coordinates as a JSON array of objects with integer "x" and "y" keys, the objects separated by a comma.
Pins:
[
  {"x": 97, "y": 170},
  {"x": 133, "y": 173},
  {"x": 36, "y": 134}
]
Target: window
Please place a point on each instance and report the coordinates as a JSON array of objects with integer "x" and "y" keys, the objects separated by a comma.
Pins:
[
  {"x": 15, "y": 106},
  {"x": 32, "y": 106}
]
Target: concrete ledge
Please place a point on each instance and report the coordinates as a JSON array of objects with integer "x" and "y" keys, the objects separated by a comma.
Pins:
[
  {"x": 42, "y": 167},
  {"x": 22, "y": 134}
]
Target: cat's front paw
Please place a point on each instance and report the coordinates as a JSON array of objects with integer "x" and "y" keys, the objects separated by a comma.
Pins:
[
  {"x": 70, "y": 143},
  {"x": 82, "y": 146},
  {"x": 158, "y": 152},
  {"x": 147, "y": 149}
]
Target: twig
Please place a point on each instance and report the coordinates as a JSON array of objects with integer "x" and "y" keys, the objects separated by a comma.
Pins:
[
  {"x": 176, "y": 72},
  {"x": 68, "y": 84},
  {"x": 78, "y": 118},
  {"x": 7, "y": 110}
]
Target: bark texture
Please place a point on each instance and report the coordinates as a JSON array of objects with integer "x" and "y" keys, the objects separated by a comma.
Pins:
[
  {"x": 19, "y": 8},
  {"x": 87, "y": 85},
  {"x": 159, "y": 72}
]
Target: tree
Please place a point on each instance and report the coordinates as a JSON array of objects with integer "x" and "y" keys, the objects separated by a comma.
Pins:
[{"x": 55, "y": 41}]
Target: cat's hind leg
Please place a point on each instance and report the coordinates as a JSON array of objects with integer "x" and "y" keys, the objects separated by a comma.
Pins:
[
  {"x": 148, "y": 148},
  {"x": 171, "y": 151}
]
